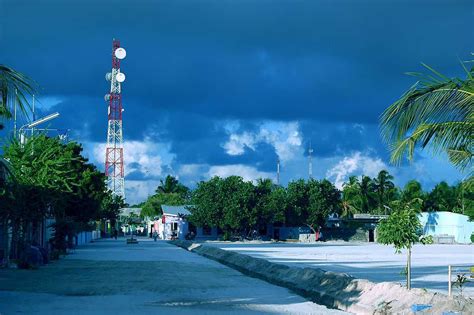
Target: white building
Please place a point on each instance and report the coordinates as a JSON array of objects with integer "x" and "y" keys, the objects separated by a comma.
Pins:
[{"x": 173, "y": 223}]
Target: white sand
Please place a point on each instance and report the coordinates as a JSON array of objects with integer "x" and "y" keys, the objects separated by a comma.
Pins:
[{"x": 375, "y": 262}]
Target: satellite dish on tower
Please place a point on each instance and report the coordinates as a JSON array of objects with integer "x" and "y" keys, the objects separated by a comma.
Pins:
[
  {"x": 120, "y": 77},
  {"x": 108, "y": 76},
  {"x": 120, "y": 53}
]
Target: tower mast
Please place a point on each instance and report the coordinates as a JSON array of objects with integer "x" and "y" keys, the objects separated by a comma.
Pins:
[
  {"x": 114, "y": 165},
  {"x": 278, "y": 171},
  {"x": 310, "y": 161}
]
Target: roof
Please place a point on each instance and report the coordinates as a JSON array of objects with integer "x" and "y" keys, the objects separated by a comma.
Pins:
[{"x": 175, "y": 210}]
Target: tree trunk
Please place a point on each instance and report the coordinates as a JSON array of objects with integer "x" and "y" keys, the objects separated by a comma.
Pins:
[{"x": 409, "y": 269}]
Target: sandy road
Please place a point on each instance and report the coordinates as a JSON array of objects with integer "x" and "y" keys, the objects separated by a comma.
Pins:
[{"x": 110, "y": 277}]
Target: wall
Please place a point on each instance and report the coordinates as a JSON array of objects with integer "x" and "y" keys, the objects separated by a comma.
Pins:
[
  {"x": 85, "y": 237},
  {"x": 442, "y": 222}
]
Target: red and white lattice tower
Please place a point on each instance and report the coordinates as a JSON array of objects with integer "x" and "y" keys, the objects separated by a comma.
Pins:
[{"x": 114, "y": 150}]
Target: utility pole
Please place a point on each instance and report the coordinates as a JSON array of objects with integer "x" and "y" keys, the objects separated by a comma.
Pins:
[{"x": 14, "y": 111}]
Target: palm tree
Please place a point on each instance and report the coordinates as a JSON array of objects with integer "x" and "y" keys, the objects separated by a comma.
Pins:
[
  {"x": 384, "y": 188},
  {"x": 351, "y": 197},
  {"x": 436, "y": 113},
  {"x": 172, "y": 186},
  {"x": 15, "y": 87},
  {"x": 367, "y": 194}
]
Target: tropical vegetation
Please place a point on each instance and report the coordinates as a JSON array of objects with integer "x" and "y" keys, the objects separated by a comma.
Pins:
[{"x": 437, "y": 113}]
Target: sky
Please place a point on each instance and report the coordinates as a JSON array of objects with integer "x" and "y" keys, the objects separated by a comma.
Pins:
[{"x": 229, "y": 87}]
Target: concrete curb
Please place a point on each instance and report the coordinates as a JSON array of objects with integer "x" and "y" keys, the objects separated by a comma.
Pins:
[{"x": 335, "y": 290}]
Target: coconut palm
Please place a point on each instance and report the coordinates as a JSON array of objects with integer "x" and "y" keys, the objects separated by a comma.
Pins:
[
  {"x": 436, "y": 113},
  {"x": 14, "y": 87},
  {"x": 384, "y": 189}
]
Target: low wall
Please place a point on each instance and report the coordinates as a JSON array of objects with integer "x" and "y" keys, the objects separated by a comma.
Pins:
[
  {"x": 335, "y": 290},
  {"x": 85, "y": 237}
]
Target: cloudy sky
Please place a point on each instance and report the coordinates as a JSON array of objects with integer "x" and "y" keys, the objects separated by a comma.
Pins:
[{"x": 228, "y": 87}]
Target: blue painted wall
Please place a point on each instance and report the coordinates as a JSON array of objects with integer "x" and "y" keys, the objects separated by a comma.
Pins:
[{"x": 457, "y": 225}]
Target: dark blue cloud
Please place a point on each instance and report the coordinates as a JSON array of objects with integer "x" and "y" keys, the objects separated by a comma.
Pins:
[{"x": 332, "y": 65}]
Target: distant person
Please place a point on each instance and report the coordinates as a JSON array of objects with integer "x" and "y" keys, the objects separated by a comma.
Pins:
[
  {"x": 155, "y": 235},
  {"x": 115, "y": 233}
]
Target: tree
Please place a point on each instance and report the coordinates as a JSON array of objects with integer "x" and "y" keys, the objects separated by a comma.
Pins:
[
  {"x": 207, "y": 209},
  {"x": 324, "y": 199},
  {"x": 402, "y": 229},
  {"x": 351, "y": 197},
  {"x": 169, "y": 192},
  {"x": 110, "y": 207},
  {"x": 368, "y": 198},
  {"x": 277, "y": 204},
  {"x": 14, "y": 86},
  {"x": 263, "y": 212},
  {"x": 466, "y": 197},
  {"x": 441, "y": 198},
  {"x": 297, "y": 200},
  {"x": 152, "y": 206},
  {"x": 172, "y": 185},
  {"x": 437, "y": 113},
  {"x": 385, "y": 190},
  {"x": 411, "y": 191},
  {"x": 52, "y": 179}
]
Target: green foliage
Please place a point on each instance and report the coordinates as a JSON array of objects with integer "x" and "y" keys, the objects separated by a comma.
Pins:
[
  {"x": 368, "y": 195},
  {"x": 110, "y": 207},
  {"x": 15, "y": 87},
  {"x": 324, "y": 199},
  {"x": 237, "y": 207},
  {"x": 51, "y": 179},
  {"x": 170, "y": 192},
  {"x": 402, "y": 228},
  {"x": 152, "y": 206},
  {"x": 411, "y": 191},
  {"x": 460, "y": 281},
  {"x": 172, "y": 186},
  {"x": 437, "y": 113},
  {"x": 441, "y": 198}
]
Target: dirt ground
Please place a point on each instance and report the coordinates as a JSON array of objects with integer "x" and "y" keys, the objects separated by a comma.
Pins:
[{"x": 110, "y": 277}]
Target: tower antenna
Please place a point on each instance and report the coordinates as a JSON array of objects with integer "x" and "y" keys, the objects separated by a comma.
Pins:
[
  {"x": 114, "y": 166},
  {"x": 278, "y": 171},
  {"x": 310, "y": 161}
]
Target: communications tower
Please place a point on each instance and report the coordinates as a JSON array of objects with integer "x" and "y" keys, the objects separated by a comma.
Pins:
[
  {"x": 310, "y": 161},
  {"x": 114, "y": 150}
]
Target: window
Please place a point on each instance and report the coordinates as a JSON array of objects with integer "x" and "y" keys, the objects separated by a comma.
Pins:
[{"x": 174, "y": 226}]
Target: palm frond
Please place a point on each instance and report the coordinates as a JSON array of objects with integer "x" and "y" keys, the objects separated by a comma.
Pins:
[
  {"x": 437, "y": 113},
  {"x": 14, "y": 87},
  {"x": 454, "y": 137}
]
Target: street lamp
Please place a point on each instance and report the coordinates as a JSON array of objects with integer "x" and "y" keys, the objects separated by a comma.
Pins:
[
  {"x": 42, "y": 120},
  {"x": 36, "y": 123}
]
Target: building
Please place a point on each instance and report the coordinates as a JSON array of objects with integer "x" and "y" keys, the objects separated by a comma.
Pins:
[
  {"x": 447, "y": 227},
  {"x": 174, "y": 224}
]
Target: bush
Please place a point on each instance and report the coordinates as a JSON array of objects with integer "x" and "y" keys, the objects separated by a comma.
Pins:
[{"x": 472, "y": 237}]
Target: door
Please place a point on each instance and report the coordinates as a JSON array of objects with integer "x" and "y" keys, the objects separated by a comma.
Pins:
[{"x": 371, "y": 236}]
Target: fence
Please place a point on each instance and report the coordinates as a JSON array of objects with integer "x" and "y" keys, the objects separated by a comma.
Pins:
[{"x": 464, "y": 275}]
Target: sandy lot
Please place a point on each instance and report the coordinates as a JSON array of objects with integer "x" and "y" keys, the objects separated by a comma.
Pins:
[
  {"x": 110, "y": 277},
  {"x": 375, "y": 262}
]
